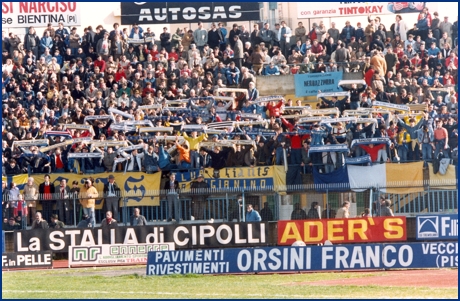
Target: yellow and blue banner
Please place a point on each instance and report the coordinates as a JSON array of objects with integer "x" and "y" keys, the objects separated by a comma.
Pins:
[
  {"x": 247, "y": 178},
  {"x": 139, "y": 188}
]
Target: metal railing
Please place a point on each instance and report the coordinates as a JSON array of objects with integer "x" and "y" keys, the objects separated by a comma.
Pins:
[{"x": 227, "y": 205}]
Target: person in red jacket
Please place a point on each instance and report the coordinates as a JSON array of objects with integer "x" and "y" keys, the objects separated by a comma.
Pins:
[
  {"x": 296, "y": 146},
  {"x": 275, "y": 109},
  {"x": 100, "y": 63},
  {"x": 374, "y": 151},
  {"x": 368, "y": 76}
]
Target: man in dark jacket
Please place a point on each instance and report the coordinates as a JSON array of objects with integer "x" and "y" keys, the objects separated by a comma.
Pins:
[
  {"x": 12, "y": 168},
  {"x": 63, "y": 203},
  {"x": 354, "y": 95},
  {"x": 172, "y": 191},
  {"x": 218, "y": 157},
  {"x": 150, "y": 161},
  {"x": 165, "y": 39},
  {"x": 112, "y": 196},
  {"x": 199, "y": 197},
  {"x": 31, "y": 41},
  {"x": 46, "y": 191},
  {"x": 12, "y": 225},
  {"x": 347, "y": 32},
  {"x": 214, "y": 37}
]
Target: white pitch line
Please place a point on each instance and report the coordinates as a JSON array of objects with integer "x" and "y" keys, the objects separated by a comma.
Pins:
[{"x": 149, "y": 293}]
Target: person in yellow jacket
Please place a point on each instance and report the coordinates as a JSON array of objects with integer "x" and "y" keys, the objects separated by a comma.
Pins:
[
  {"x": 88, "y": 195},
  {"x": 404, "y": 141},
  {"x": 194, "y": 142}
]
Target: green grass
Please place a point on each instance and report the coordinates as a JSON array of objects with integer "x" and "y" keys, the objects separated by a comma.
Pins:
[{"x": 107, "y": 283}]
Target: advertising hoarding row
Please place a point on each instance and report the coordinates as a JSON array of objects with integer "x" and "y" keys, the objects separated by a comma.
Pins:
[{"x": 302, "y": 259}]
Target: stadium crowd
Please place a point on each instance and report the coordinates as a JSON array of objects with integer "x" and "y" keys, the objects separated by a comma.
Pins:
[{"x": 109, "y": 84}]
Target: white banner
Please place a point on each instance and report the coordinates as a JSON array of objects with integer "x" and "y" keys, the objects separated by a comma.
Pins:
[
  {"x": 39, "y": 14},
  {"x": 114, "y": 254},
  {"x": 305, "y": 10}
]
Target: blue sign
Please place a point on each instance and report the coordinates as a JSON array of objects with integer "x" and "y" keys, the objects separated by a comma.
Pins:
[
  {"x": 309, "y": 258},
  {"x": 437, "y": 227},
  {"x": 3, "y": 242},
  {"x": 309, "y": 84}
]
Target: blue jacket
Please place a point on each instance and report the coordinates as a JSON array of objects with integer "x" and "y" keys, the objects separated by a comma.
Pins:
[
  {"x": 46, "y": 42},
  {"x": 359, "y": 33},
  {"x": 272, "y": 71},
  {"x": 253, "y": 216},
  {"x": 422, "y": 24},
  {"x": 420, "y": 135},
  {"x": 317, "y": 137},
  {"x": 411, "y": 130},
  {"x": 132, "y": 34}
]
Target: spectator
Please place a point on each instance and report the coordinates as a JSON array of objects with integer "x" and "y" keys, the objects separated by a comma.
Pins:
[
  {"x": 172, "y": 190},
  {"x": 109, "y": 222},
  {"x": 328, "y": 212},
  {"x": 386, "y": 210},
  {"x": 39, "y": 223},
  {"x": 251, "y": 214},
  {"x": 12, "y": 225},
  {"x": 112, "y": 195},
  {"x": 298, "y": 213},
  {"x": 46, "y": 190},
  {"x": 87, "y": 200},
  {"x": 266, "y": 213},
  {"x": 31, "y": 41},
  {"x": 343, "y": 211},
  {"x": 199, "y": 187},
  {"x": 31, "y": 196},
  {"x": 137, "y": 219},
  {"x": 56, "y": 223},
  {"x": 313, "y": 212},
  {"x": 62, "y": 203},
  {"x": 85, "y": 222},
  {"x": 347, "y": 32},
  {"x": 200, "y": 37},
  {"x": 284, "y": 38}
]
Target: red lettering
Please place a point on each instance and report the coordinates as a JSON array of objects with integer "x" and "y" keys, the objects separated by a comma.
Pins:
[
  {"x": 72, "y": 6},
  {"x": 49, "y": 7},
  {"x": 7, "y": 9},
  {"x": 63, "y": 7},
  {"x": 41, "y": 7},
  {"x": 33, "y": 7},
  {"x": 24, "y": 7}
]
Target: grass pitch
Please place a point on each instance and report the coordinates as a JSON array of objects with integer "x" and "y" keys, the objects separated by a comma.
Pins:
[{"x": 131, "y": 283}]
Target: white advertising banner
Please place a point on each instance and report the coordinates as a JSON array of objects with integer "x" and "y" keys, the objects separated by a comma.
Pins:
[
  {"x": 307, "y": 10},
  {"x": 116, "y": 254},
  {"x": 39, "y": 14}
]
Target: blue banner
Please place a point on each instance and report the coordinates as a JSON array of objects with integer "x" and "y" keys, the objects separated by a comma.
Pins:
[
  {"x": 437, "y": 227},
  {"x": 3, "y": 242},
  {"x": 309, "y": 84},
  {"x": 310, "y": 258}
]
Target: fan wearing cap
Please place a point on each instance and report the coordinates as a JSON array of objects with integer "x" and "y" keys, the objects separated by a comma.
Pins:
[
  {"x": 112, "y": 196},
  {"x": 199, "y": 196},
  {"x": 55, "y": 222},
  {"x": 11, "y": 225}
]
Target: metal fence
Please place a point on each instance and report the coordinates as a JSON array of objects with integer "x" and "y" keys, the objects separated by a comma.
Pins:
[{"x": 227, "y": 205}]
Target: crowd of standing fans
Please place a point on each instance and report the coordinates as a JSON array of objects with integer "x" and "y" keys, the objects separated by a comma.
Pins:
[{"x": 56, "y": 79}]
